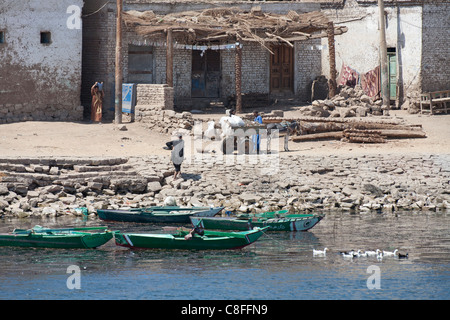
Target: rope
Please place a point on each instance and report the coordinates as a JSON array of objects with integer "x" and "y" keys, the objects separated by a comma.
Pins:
[
  {"x": 92, "y": 13},
  {"x": 273, "y": 239}
]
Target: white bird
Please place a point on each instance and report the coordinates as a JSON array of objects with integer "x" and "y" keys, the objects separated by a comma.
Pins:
[
  {"x": 372, "y": 253},
  {"x": 360, "y": 254},
  {"x": 320, "y": 252},
  {"x": 350, "y": 254},
  {"x": 389, "y": 253},
  {"x": 379, "y": 256}
]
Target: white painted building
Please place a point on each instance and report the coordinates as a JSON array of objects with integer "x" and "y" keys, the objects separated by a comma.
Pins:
[
  {"x": 40, "y": 60},
  {"x": 417, "y": 34}
]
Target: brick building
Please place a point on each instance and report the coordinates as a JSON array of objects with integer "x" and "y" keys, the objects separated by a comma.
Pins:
[
  {"x": 416, "y": 39},
  {"x": 144, "y": 61},
  {"x": 40, "y": 60},
  {"x": 49, "y": 62},
  {"x": 414, "y": 30}
]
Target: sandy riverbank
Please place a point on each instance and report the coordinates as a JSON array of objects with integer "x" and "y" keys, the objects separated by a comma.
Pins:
[{"x": 83, "y": 139}]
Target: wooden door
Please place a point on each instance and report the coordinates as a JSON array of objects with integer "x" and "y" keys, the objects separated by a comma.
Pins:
[
  {"x": 392, "y": 75},
  {"x": 281, "y": 69},
  {"x": 205, "y": 74}
]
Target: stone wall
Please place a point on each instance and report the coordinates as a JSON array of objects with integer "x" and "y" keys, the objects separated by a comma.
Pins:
[
  {"x": 307, "y": 183},
  {"x": 39, "y": 81}
]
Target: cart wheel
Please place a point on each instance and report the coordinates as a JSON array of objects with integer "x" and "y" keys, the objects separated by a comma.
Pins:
[
  {"x": 246, "y": 146},
  {"x": 228, "y": 145}
]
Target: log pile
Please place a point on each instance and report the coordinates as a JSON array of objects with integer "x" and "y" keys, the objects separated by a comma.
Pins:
[
  {"x": 351, "y": 130},
  {"x": 363, "y": 136}
]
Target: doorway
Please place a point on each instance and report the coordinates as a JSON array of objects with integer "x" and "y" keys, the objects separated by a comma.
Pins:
[
  {"x": 282, "y": 69},
  {"x": 205, "y": 74},
  {"x": 140, "y": 64},
  {"x": 392, "y": 71}
]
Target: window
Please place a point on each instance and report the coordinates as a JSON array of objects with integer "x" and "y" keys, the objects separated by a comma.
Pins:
[
  {"x": 46, "y": 37},
  {"x": 2, "y": 36}
]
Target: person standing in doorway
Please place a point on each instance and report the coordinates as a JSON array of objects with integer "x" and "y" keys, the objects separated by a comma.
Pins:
[{"x": 97, "y": 102}]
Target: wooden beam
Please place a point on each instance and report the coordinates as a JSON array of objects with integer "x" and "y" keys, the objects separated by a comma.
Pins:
[
  {"x": 238, "y": 76},
  {"x": 332, "y": 85},
  {"x": 169, "y": 59},
  {"x": 118, "y": 65},
  {"x": 383, "y": 60}
]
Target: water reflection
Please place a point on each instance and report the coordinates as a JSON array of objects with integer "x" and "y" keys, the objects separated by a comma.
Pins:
[{"x": 278, "y": 266}]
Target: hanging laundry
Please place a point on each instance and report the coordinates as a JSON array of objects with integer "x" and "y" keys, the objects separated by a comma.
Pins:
[
  {"x": 348, "y": 76},
  {"x": 370, "y": 82}
]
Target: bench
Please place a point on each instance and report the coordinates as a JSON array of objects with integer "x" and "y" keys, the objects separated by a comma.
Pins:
[{"x": 434, "y": 101}]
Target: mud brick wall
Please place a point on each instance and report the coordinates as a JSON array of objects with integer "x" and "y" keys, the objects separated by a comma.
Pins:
[
  {"x": 157, "y": 95},
  {"x": 99, "y": 31},
  {"x": 39, "y": 81},
  {"x": 435, "y": 47},
  {"x": 307, "y": 66}
]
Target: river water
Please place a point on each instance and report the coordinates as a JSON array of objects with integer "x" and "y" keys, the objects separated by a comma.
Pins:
[{"x": 278, "y": 266}]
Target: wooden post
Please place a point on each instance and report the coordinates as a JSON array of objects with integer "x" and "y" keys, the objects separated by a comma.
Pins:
[
  {"x": 332, "y": 86},
  {"x": 238, "y": 75},
  {"x": 119, "y": 67},
  {"x": 169, "y": 59},
  {"x": 383, "y": 60}
]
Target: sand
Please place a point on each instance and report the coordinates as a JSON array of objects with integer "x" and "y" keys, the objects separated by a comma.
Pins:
[{"x": 84, "y": 139}]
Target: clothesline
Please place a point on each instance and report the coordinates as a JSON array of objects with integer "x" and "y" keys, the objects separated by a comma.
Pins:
[
  {"x": 176, "y": 45},
  {"x": 229, "y": 46}
]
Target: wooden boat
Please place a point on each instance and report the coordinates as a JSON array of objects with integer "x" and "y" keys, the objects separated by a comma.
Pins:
[
  {"x": 297, "y": 223},
  {"x": 215, "y": 240},
  {"x": 149, "y": 215},
  {"x": 40, "y": 237},
  {"x": 274, "y": 214},
  {"x": 170, "y": 208}
]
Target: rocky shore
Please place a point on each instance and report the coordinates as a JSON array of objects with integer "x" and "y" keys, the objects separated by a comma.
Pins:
[{"x": 61, "y": 186}]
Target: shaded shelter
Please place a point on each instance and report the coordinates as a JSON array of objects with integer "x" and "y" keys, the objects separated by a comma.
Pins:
[{"x": 230, "y": 26}]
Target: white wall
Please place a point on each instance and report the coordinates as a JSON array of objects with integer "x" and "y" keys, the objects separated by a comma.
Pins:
[{"x": 359, "y": 46}]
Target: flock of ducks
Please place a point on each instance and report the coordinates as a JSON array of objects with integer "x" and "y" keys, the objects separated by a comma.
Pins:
[{"x": 368, "y": 253}]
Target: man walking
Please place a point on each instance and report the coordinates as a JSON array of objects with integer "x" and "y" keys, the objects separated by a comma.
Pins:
[{"x": 177, "y": 156}]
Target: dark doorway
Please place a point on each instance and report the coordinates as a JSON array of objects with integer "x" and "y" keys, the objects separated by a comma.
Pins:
[
  {"x": 206, "y": 73},
  {"x": 140, "y": 64}
]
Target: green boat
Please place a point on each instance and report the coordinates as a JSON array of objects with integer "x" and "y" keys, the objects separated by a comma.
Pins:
[
  {"x": 165, "y": 214},
  {"x": 297, "y": 223},
  {"x": 39, "y": 237},
  {"x": 274, "y": 214},
  {"x": 215, "y": 240}
]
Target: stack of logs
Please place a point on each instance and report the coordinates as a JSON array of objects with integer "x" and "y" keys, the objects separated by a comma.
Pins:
[
  {"x": 349, "y": 130},
  {"x": 363, "y": 136}
]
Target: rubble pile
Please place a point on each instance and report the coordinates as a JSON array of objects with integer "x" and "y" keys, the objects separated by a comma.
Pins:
[
  {"x": 164, "y": 121},
  {"x": 350, "y": 102}
]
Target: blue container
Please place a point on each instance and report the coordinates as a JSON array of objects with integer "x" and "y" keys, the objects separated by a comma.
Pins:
[{"x": 128, "y": 97}]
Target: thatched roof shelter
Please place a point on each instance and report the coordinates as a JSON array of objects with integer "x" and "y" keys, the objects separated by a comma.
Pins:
[{"x": 231, "y": 25}]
